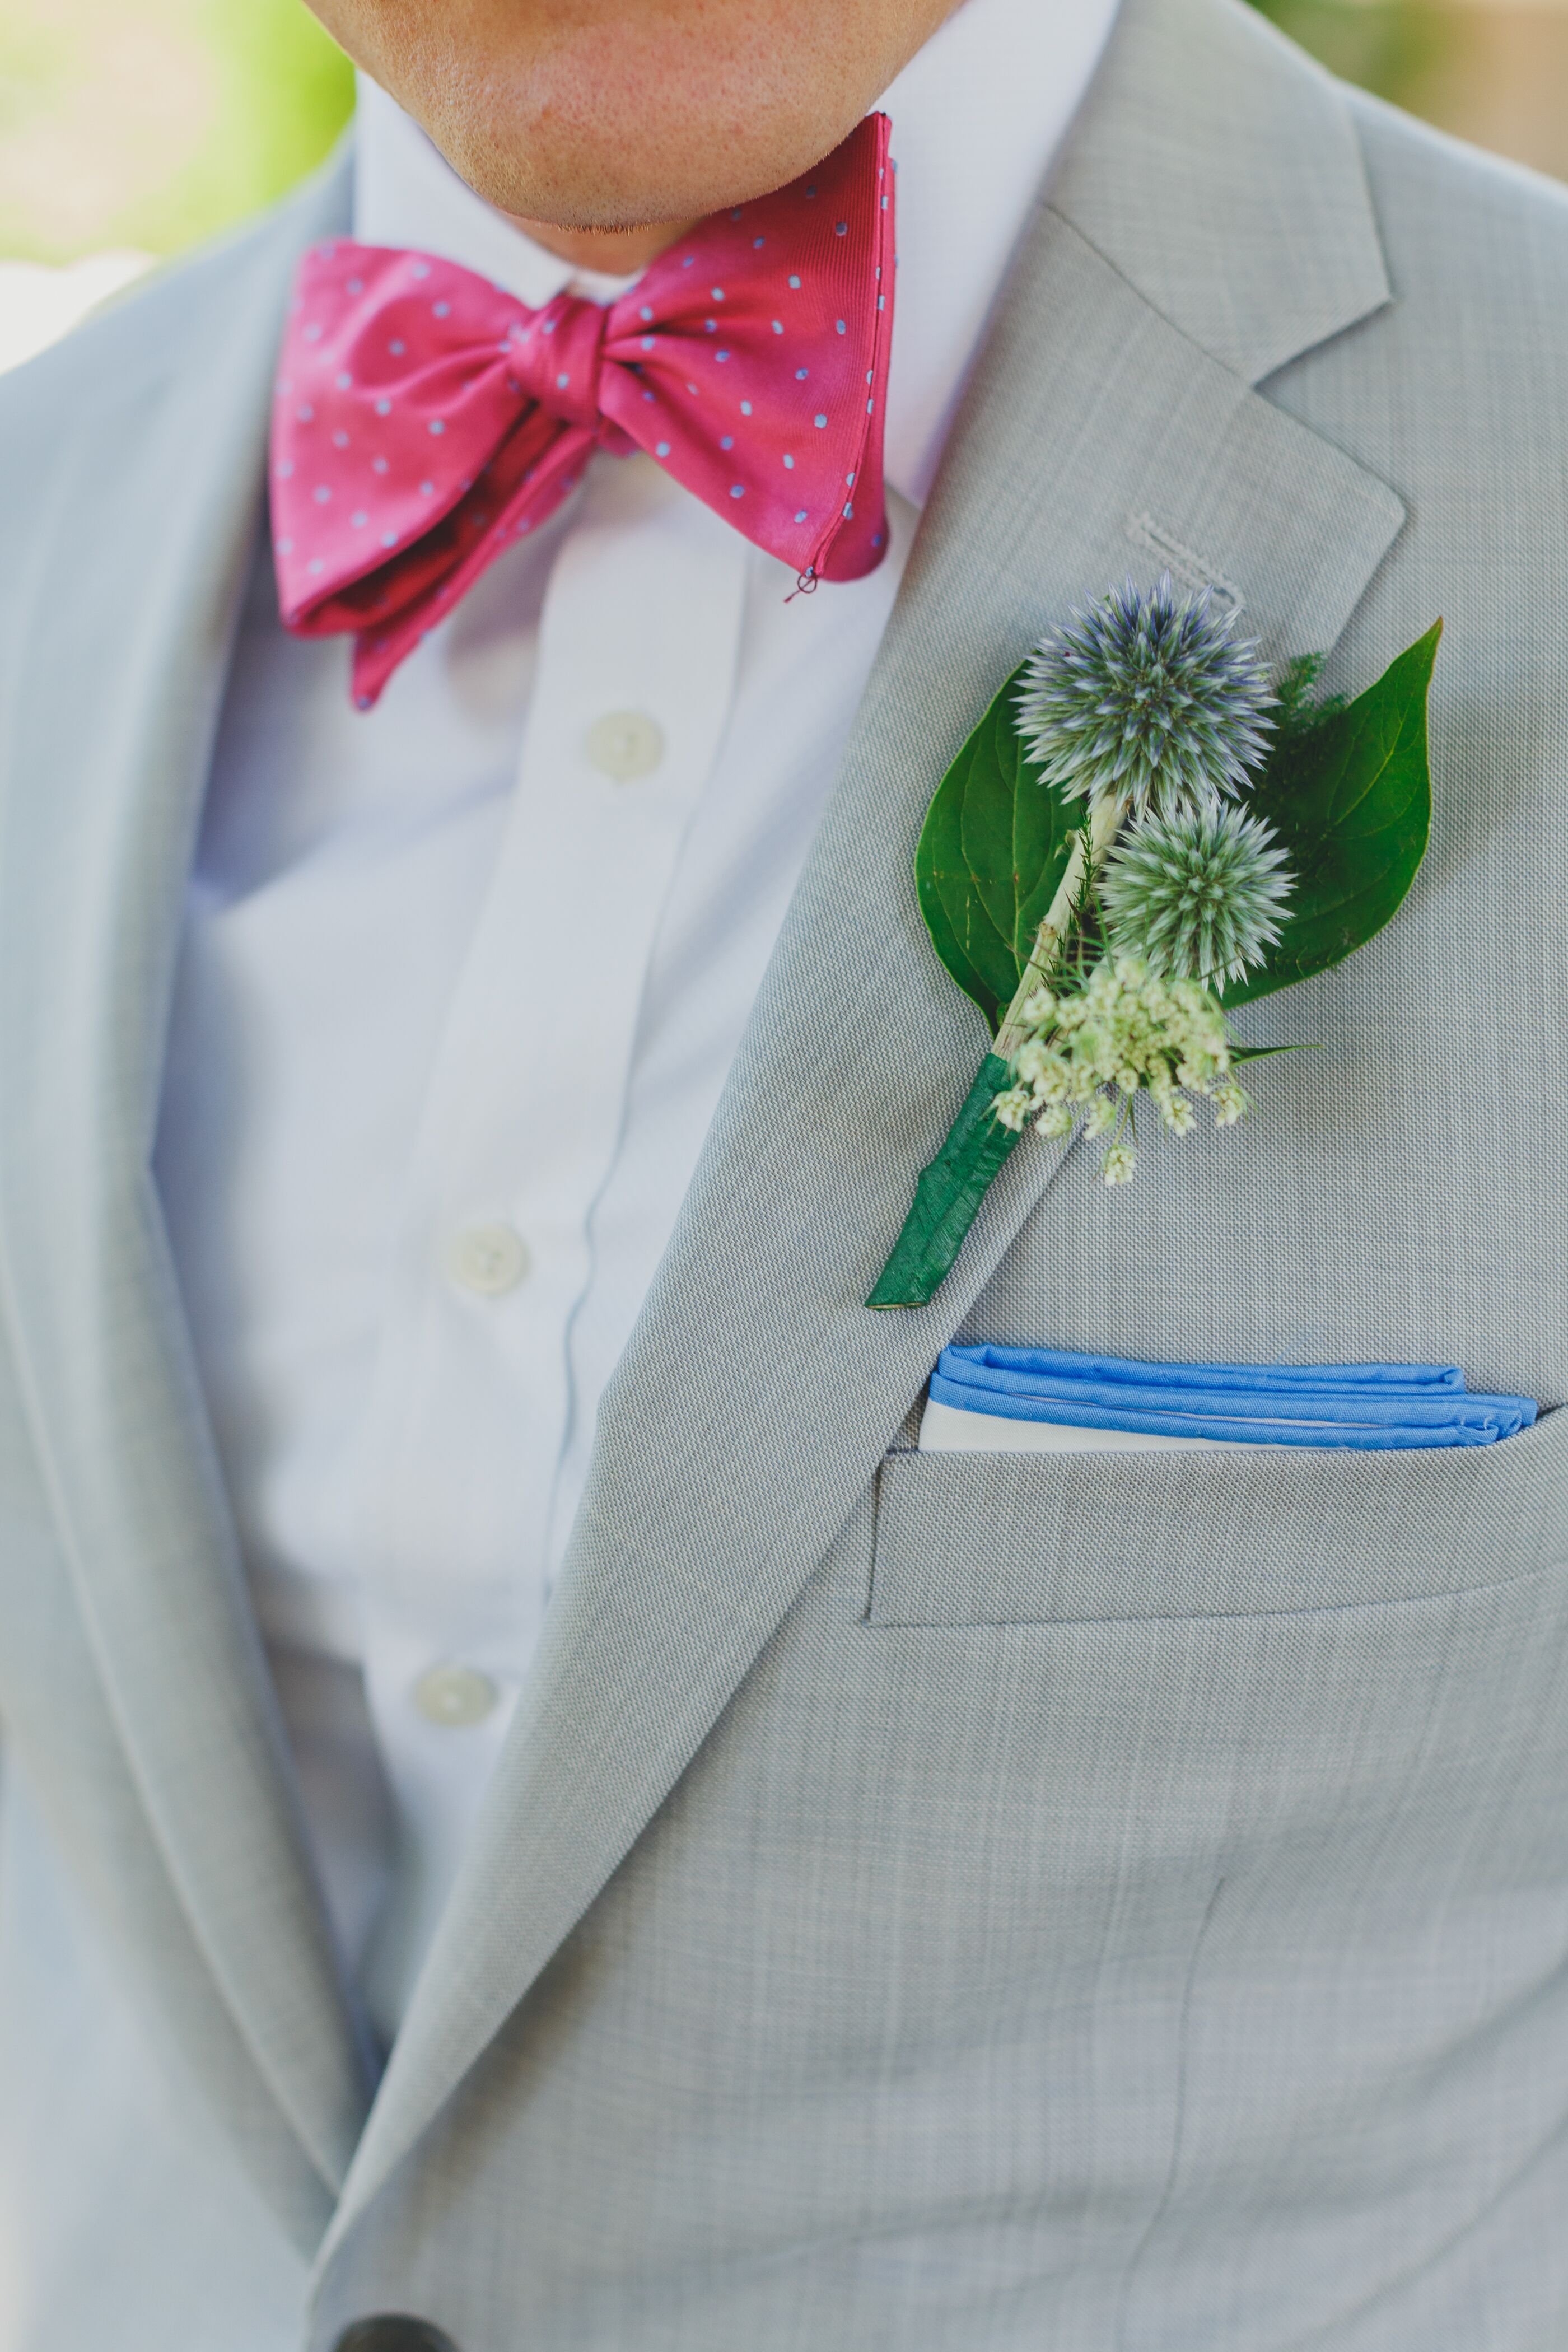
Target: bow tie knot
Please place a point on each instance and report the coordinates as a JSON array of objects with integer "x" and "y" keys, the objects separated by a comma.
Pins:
[
  {"x": 425, "y": 420},
  {"x": 557, "y": 357}
]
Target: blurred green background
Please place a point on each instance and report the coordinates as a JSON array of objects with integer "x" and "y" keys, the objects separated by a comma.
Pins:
[{"x": 147, "y": 124}]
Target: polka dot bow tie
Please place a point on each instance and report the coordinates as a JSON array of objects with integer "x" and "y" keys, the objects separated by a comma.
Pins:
[{"x": 425, "y": 420}]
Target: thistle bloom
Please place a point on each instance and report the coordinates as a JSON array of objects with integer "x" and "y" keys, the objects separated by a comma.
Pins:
[
  {"x": 1199, "y": 895},
  {"x": 1147, "y": 698}
]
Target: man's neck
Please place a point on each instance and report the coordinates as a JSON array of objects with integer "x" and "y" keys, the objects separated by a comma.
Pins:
[{"x": 607, "y": 252}]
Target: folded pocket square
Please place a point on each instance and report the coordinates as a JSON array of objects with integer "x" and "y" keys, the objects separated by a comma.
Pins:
[{"x": 1040, "y": 1399}]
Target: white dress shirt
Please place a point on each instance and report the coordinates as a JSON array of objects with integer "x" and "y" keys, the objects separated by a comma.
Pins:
[{"x": 462, "y": 981}]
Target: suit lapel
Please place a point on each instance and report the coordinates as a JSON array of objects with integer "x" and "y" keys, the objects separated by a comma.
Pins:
[
  {"x": 116, "y": 690},
  {"x": 757, "y": 1395}
]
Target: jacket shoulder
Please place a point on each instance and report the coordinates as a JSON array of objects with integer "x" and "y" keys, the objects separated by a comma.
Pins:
[
  {"x": 153, "y": 327},
  {"x": 1464, "y": 224}
]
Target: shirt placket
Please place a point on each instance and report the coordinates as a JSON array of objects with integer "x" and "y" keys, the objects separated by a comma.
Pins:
[{"x": 521, "y": 1126}]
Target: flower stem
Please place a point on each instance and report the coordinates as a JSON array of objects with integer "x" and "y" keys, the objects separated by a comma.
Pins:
[{"x": 1105, "y": 823}]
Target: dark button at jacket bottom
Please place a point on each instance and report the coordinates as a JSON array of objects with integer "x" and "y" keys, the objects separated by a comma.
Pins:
[{"x": 393, "y": 2331}]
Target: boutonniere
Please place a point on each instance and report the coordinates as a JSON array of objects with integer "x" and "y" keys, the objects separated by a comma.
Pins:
[{"x": 1145, "y": 830}]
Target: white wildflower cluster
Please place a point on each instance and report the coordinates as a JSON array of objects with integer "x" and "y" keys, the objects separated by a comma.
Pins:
[{"x": 1127, "y": 1030}]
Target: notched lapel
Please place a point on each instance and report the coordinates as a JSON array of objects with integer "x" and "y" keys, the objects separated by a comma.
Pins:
[
  {"x": 1220, "y": 173},
  {"x": 757, "y": 1395},
  {"x": 114, "y": 695}
]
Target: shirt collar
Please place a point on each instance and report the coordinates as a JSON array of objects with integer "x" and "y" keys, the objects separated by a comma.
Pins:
[{"x": 978, "y": 117}]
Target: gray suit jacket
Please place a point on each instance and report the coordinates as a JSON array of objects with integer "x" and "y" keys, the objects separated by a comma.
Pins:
[{"x": 926, "y": 1901}]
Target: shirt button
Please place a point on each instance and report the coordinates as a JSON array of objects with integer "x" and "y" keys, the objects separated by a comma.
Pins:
[
  {"x": 455, "y": 1696},
  {"x": 489, "y": 1259},
  {"x": 624, "y": 745},
  {"x": 391, "y": 2332}
]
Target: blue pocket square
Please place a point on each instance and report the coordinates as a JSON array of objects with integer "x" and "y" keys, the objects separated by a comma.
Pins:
[{"x": 1367, "y": 1406}]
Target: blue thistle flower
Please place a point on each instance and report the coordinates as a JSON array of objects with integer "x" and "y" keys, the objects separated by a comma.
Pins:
[
  {"x": 1147, "y": 697},
  {"x": 1199, "y": 895}
]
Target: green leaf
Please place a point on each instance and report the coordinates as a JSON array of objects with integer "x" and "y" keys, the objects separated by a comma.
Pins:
[
  {"x": 1351, "y": 799},
  {"x": 948, "y": 1195},
  {"x": 964, "y": 936},
  {"x": 993, "y": 847}
]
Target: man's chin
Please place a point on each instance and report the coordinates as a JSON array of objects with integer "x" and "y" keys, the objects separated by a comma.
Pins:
[{"x": 604, "y": 180}]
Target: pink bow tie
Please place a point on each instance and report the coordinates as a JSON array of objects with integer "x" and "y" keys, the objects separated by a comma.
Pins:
[{"x": 425, "y": 420}]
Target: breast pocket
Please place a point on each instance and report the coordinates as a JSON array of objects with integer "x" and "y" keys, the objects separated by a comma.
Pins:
[{"x": 999, "y": 1539}]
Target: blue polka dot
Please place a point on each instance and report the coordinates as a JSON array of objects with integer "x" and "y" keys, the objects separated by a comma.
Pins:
[
  {"x": 778, "y": 326},
  {"x": 305, "y": 412},
  {"x": 389, "y": 539},
  {"x": 562, "y": 381},
  {"x": 801, "y": 374},
  {"x": 312, "y": 334},
  {"x": 647, "y": 342},
  {"x": 728, "y": 442},
  {"x": 378, "y": 464},
  {"x": 746, "y": 408},
  {"x": 717, "y": 292},
  {"x": 426, "y": 489},
  {"x": 801, "y": 516},
  {"x": 841, "y": 229},
  {"x": 420, "y": 269},
  {"x": 644, "y": 313},
  {"x": 285, "y": 547},
  {"x": 848, "y": 513},
  {"x": 790, "y": 463},
  {"x": 647, "y": 395},
  {"x": 688, "y": 260},
  {"x": 441, "y": 309},
  {"x": 820, "y": 422},
  {"x": 359, "y": 520},
  {"x": 438, "y": 426},
  {"x": 721, "y": 355},
  {"x": 661, "y": 450},
  {"x": 285, "y": 469},
  {"x": 848, "y": 481},
  {"x": 737, "y": 490},
  {"x": 840, "y": 326},
  {"x": 355, "y": 286},
  {"x": 398, "y": 350},
  {"x": 340, "y": 440},
  {"x": 344, "y": 379},
  {"x": 712, "y": 325},
  {"x": 383, "y": 407},
  {"x": 758, "y": 243},
  {"x": 795, "y": 281}
]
